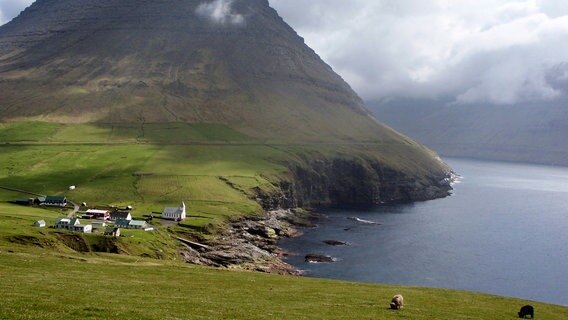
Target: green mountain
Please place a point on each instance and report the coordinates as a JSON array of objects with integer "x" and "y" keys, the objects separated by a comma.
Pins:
[
  {"x": 147, "y": 61},
  {"x": 179, "y": 72}
]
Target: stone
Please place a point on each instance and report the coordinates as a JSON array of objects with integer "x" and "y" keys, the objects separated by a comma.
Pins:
[
  {"x": 335, "y": 243},
  {"x": 318, "y": 258}
]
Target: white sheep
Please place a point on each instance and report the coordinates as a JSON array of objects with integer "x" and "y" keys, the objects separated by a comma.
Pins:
[{"x": 397, "y": 302}]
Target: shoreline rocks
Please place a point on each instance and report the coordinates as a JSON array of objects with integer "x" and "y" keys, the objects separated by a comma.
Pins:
[
  {"x": 319, "y": 258},
  {"x": 336, "y": 243},
  {"x": 251, "y": 244}
]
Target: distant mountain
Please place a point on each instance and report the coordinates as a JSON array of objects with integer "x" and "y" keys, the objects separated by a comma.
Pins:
[{"x": 529, "y": 132}]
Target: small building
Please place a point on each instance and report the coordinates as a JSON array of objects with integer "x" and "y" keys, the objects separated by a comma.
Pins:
[
  {"x": 24, "y": 202},
  {"x": 62, "y": 223},
  {"x": 99, "y": 214},
  {"x": 39, "y": 201},
  {"x": 131, "y": 224},
  {"x": 176, "y": 214},
  {"x": 66, "y": 223},
  {"x": 73, "y": 225},
  {"x": 137, "y": 224},
  {"x": 40, "y": 224},
  {"x": 113, "y": 232},
  {"x": 82, "y": 228},
  {"x": 120, "y": 215},
  {"x": 55, "y": 201},
  {"x": 72, "y": 188}
]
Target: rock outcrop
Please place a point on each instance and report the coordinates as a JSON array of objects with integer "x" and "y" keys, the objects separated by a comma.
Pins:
[{"x": 249, "y": 244}]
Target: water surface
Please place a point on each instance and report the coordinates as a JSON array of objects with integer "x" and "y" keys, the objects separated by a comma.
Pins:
[{"x": 504, "y": 231}]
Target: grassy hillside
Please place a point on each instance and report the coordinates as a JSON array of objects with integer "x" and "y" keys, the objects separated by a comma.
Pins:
[
  {"x": 211, "y": 167},
  {"x": 36, "y": 285}
]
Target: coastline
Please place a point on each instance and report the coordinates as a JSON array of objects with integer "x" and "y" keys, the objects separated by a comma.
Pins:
[{"x": 252, "y": 243}]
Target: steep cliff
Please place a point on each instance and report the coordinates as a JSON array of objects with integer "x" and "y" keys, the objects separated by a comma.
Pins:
[{"x": 359, "y": 179}]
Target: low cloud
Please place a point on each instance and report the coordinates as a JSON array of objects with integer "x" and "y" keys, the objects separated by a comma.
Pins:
[
  {"x": 220, "y": 12},
  {"x": 466, "y": 52}
]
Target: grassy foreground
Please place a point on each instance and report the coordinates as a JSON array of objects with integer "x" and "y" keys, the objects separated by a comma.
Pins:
[
  {"x": 38, "y": 285},
  {"x": 43, "y": 278}
]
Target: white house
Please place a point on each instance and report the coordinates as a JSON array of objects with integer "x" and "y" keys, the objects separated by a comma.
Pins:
[
  {"x": 83, "y": 228},
  {"x": 73, "y": 225},
  {"x": 40, "y": 223},
  {"x": 66, "y": 223},
  {"x": 176, "y": 214}
]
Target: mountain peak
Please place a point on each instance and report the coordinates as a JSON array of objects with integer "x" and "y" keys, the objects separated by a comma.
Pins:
[{"x": 220, "y": 61}]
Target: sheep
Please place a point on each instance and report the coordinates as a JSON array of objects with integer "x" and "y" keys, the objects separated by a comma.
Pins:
[
  {"x": 397, "y": 302},
  {"x": 526, "y": 311}
]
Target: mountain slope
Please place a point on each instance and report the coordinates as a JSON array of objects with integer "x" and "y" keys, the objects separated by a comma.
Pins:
[
  {"x": 173, "y": 72},
  {"x": 160, "y": 61}
]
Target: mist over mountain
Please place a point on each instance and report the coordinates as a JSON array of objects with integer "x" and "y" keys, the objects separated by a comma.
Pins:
[{"x": 525, "y": 132}]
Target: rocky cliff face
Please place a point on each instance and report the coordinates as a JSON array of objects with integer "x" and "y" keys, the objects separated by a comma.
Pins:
[{"x": 353, "y": 182}]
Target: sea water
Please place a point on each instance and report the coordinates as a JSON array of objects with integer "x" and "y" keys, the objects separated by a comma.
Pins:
[{"x": 503, "y": 231}]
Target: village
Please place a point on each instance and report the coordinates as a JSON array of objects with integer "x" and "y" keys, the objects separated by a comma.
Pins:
[{"x": 104, "y": 220}]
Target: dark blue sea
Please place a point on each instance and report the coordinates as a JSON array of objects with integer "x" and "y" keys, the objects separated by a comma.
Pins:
[{"x": 503, "y": 231}]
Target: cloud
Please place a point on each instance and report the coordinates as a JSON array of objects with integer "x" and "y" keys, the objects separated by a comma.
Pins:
[
  {"x": 220, "y": 12},
  {"x": 11, "y": 8},
  {"x": 469, "y": 51}
]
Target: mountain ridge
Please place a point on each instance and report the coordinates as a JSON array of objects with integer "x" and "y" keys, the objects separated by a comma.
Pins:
[{"x": 165, "y": 63}]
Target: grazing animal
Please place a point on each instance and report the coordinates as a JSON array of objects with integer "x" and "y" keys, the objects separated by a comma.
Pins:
[
  {"x": 526, "y": 311},
  {"x": 397, "y": 302}
]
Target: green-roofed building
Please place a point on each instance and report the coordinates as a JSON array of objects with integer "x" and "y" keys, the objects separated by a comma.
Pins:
[
  {"x": 55, "y": 201},
  {"x": 131, "y": 224}
]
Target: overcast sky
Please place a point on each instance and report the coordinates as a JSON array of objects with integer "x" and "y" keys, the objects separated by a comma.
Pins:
[{"x": 463, "y": 51}]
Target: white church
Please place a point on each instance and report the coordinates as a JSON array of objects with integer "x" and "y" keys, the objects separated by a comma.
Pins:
[{"x": 176, "y": 214}]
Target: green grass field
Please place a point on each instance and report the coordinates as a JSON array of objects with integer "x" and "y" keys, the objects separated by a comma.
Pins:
[
  {"x": 38, "y": 285},
  {"x": 213, "y": 169}
]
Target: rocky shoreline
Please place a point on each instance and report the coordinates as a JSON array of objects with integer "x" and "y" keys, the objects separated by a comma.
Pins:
[{"x": 252, "y": 244}]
